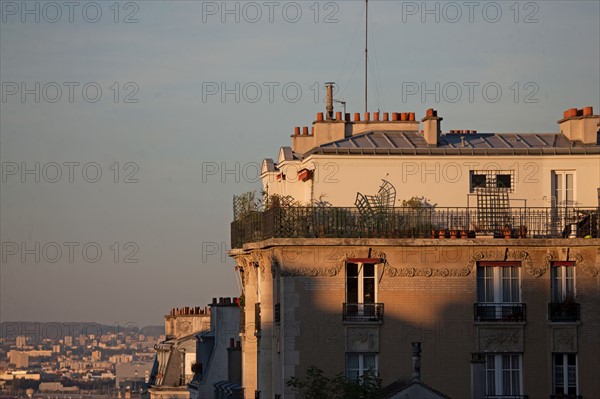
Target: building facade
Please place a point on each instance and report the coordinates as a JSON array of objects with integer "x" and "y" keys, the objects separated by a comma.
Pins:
[{"x": 379, "y": 232}]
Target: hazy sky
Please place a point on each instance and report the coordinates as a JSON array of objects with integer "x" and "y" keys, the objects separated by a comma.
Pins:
[{"x": 117, "y": 120}]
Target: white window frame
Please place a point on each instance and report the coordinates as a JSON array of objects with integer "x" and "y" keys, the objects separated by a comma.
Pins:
[
  {"x": 565, "y": 370},
  {"x": 361, "y": 364},
  {"x": 562, "y": 290},
  {"x": 561, "y": 176},
  {"x": 498, "y": 280},
  {"x": 491, "y": 176},
  {"x": 499, "y": 373},
  {"x": 361, "y": 293}
]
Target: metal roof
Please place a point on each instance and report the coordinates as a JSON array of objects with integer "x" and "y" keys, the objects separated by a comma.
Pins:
[{"x": 412, "y": 142}]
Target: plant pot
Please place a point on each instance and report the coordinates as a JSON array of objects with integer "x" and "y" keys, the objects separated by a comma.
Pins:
[
  {"x": 463, "y": 234},
  {"x": 453, "y": 234},
  {"x": 522, "y": 231},
  {"x": 441, "y": 234}
]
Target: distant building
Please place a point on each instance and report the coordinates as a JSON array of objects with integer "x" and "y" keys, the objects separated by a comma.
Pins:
[
  {"x": 21, "y": 341},
  {"x": 219, "y": 354},
  {"x": 46, "y": 387},
  {"x": 172, "y": 369},
  {"x": 19, "y": 359},
  {"x": 133, "y": 374}
]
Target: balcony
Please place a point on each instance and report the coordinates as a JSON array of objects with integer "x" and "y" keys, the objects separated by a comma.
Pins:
[
  {"x": 500, "y": 311},
  {"x": 407, "y": 222},
  {"x": 566, "y": 396},
  {"x": 563, "y": 312},
  {"x": 363, "y": 312}
]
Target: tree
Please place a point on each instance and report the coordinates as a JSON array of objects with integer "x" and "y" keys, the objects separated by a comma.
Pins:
[{"x": 318, "y": 386}]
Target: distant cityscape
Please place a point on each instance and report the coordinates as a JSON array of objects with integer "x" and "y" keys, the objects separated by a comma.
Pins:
[{"x": 75, "y": 360}]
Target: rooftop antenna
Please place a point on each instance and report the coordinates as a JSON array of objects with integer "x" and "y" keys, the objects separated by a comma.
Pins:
[
  {"x": 366, "y": 49},
  {"x": 341, "y": 102}
]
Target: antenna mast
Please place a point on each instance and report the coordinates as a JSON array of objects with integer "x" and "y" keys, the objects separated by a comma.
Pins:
[{"x": 366, "y": 50}]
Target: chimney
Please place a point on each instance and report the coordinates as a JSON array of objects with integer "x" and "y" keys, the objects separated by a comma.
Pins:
[
  {"x": 477, "y": 376},
  {"x": 580, "y": 125},
  {"x": 329, "y": 100},
  {"x": 416, "y": 358},
  {"x": 432, "y": 127}
]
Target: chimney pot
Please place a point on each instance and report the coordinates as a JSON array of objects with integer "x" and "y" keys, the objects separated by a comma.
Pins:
[
  {"x": 305, "y": 130},
  {"x": 214, "y": 301},
  {"x": 403, "y": 116},
  {"x": 231, "y": 342},
  {"x": 329, "y": 100},
  {"x": 367, "y": 117},
  {"x": 312, "y": 131},
  {"x": 238, "y": 344},
  {"x": 356, "y": 117},
  {"x": 411, "y": 116},
  {"x": 395, "y": 116},
  {"x": 572, "y": 112},
  {"x": 375, "y": 116},
  {"x": 386, "y": 117},
  {"x": 347, "y": 117},
  {"x": 429, "y": 112},
  {"x": 338, "y": 116},
  {"x": 587, "y": 111},
  {"x": 297, "y": 131},
  {"x": 319, "y": 116}
]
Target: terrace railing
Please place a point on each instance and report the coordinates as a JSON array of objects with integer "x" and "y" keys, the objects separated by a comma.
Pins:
[{"x": 406, "y": 222}]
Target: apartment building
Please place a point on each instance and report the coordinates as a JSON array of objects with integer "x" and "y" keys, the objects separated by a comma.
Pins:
[{"x": 380, "y": 231}]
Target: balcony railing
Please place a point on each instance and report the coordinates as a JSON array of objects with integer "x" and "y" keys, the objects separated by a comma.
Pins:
[
  {"x": 406, "y": 222},
  {"x": 500, "y": 311},
  {"x": 363, "y": 312},
  {"x": 566, "y": 396},
  {"x": 563, "y": 312}
]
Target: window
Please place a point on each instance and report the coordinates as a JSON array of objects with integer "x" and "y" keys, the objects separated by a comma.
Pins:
[
  {"x": 503, "y": 376},
  {"x": 491, "y": 179},
  {"x": 563, "y": 188},
  {"x": 563, "y": 307},
  {"x": 563, "y": 282},
  {"x": 499, "y": 292},
  {"x": 358, "y": 364},
  {"x": 361, "y": 292},
  {"x": 565, "y": 373}
]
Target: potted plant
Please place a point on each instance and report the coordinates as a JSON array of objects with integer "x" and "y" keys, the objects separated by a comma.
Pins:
[
  {"x": 507, "y": 231},
  {"x": 453, "y": 233},
  {"x": 464, "y": 233},
  {"x": 522, "y": 231}
]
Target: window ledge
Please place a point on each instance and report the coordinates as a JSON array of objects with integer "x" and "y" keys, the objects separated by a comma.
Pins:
[
  {"x": 501, "y": 323},
  {"x": 564, "y": 323},
  {"x": 362, "y": 322}
]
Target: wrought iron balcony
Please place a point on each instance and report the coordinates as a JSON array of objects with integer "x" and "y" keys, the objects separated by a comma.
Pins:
[
  {"x": 566, "y": 396},
  {"x": 500, "y": 311},
  {"x": 563, "y": 312},
  {"x": 363, "y": 312},
  {"x": 407, "y": 222}
]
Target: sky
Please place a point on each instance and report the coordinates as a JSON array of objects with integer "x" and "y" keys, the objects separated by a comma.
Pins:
[{"x": 127, "y": 127}]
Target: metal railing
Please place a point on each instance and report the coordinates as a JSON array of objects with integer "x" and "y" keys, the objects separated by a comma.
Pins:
[
  {"x": 566, "y": 396},
  {"x": 500, "y": 311},
  {"x": 406, "y": 222},
  {"x": 563, "y": 312},
  {"x": 362, "y": 312}
]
